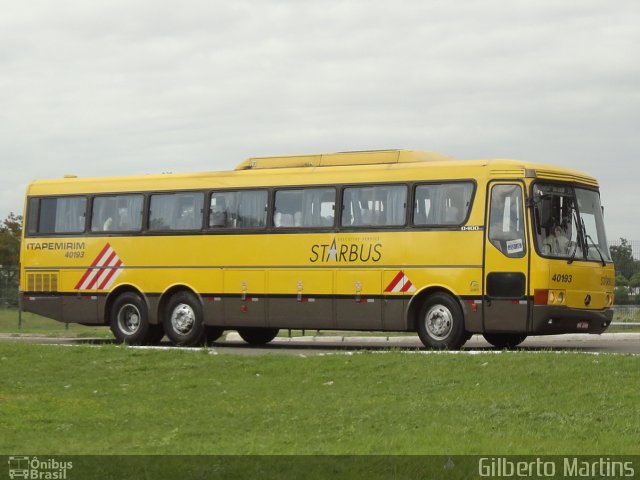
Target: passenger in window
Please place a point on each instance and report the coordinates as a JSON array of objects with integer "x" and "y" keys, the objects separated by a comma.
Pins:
[
  {"x": 187, "y": 219},
  {"x": 558, "y": 240},
  {"x": 218, "y": 215},
  {"x": 124, "y": 223}
]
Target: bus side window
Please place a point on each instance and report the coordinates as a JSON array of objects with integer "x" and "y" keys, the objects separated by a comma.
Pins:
[
  {"x": 383, "y": 205},
  {"x": 57, "y": 215},
  {"x": 442, "y": 204},
  {"x": 238, "y": 209},
  {"x": 506, "y": 220},
  {"x": 119, "y": 213},
  {"x": 176, "y": 211},
  {"x": 304, "y": 207}
]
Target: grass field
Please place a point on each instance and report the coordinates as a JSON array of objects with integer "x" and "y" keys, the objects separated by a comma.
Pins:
[
  {"x": 117, "y": 400},
  {"x": 37, "y": 325}
]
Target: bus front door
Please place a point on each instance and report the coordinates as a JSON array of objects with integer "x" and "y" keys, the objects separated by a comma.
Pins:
[{"x": 505, "y": 260}]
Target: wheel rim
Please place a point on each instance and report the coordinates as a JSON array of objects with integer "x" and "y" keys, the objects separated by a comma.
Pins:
[
  {"x": 438, "y": 322},
  {"x": 129, "y": 319},
  {"x": 183, "y": 318}
]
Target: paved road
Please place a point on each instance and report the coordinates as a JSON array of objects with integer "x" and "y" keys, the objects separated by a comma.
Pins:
[{"x": 628, "y": 343}]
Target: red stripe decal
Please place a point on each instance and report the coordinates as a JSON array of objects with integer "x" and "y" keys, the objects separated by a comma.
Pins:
[
  {"x": 95, "y": 279},
  {"x": 93, "y": 264},
  {"x": 406, "y": 286},
  {"x": 110, "y": 274},
  {"x": 397, "y": 279}
]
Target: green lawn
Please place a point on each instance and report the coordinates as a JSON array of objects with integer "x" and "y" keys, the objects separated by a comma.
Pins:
[
  {"x": 36, "y": 325},
  {"x": 118, "y": 400}
]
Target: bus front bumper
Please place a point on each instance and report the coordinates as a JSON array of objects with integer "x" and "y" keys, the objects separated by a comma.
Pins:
[{"x": 551, "y": 320}]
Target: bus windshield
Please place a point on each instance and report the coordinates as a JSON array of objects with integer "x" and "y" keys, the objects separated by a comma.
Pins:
[{"x": 569, "y": 223}]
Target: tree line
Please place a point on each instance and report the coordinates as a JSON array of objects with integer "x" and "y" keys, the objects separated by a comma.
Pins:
[
  {"x": 627, "y": 273},
  {"x": 10, "y": 233}
]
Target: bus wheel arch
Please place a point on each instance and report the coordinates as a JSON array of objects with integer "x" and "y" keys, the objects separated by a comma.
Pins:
[
  {"x": 113, "y": 295},
  {"x": 127, "y": 313},
  {"x": 181, "y": 312},
  {"x": 437, "y": 315}
]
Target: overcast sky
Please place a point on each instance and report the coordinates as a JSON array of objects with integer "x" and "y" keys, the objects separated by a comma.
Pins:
[{"x": 120, "y": 87}]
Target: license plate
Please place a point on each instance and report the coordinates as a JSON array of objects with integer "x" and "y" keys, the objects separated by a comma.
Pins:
[{"x": 583, "y": 326}]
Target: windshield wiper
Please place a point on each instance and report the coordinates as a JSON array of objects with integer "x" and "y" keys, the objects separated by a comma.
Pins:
[
  {"x": 604, "y": 264},
  {"x": 572, "y": 257}
]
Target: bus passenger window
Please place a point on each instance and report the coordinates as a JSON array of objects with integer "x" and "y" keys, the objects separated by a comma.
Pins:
[
  {"x": 442, "y": 204},
  {"x": 304, "y": 208},
  {"x": 119, "y": 213},
  {"x": 57, "y": 215},
  {"x": 506, "y": 220},
  {"x": 383, "y": 205},
  {"x": 176, "y": 211},
  {"x": 238, "y": 209}
]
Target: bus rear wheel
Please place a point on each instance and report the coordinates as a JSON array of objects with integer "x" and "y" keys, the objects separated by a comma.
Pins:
[
  {"x": 441, "y": 323},
  {"x": 257, "y": 335},
  {"x": 504, "y": 340},
  {"x": 129, "y": 320},
  {"x": 183, "y": 320}
]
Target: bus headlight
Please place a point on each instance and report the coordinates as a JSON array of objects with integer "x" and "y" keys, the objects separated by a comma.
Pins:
[
  {"x": 609, "y": 299},
  {"x": 556, "y": 297},
  {"x": 549, "y": 297}
]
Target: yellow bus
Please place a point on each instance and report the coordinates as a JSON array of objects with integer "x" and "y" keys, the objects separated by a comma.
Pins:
[{"x": 393, "y": 240}]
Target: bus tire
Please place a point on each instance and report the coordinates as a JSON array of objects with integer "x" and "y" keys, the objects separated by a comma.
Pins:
[
  {"x": 258, "y": 335},
  {"x": 129, "y": 320},
  {"x": 504, "y": 340},
  {"x": 183, "y": 320},
  {"x": 440, "y": 323},
  {"x": 212, "y": 333}
]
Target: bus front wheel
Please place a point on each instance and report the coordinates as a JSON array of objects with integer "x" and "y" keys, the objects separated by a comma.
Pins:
[
  {"x": 183, "y": 320},
  {"x": 129, "y": 320},
  {"x": 504, "y": 340},
  {"x": 441, "y": 323},
  {"x": 257, "y": 335}
]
